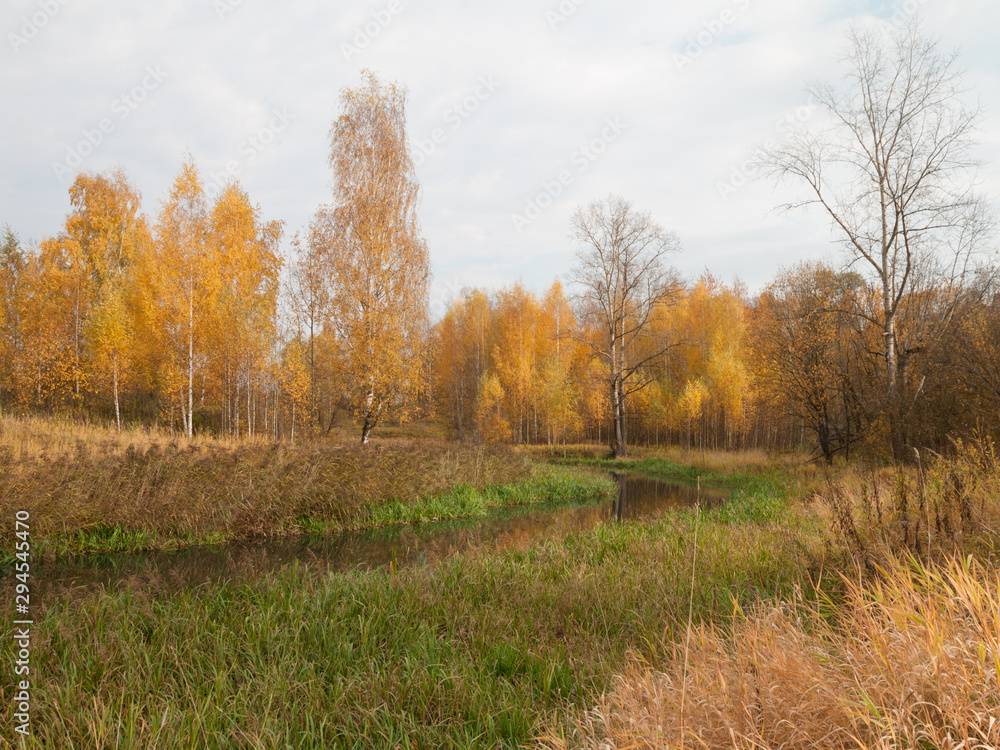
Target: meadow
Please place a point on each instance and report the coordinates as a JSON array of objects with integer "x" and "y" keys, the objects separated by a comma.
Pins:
[{"x": 852, "y": 608}]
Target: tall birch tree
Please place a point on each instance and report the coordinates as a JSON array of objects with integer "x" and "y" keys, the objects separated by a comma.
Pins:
[
  {"x": 184, "y": 283},
  {"x": 379, "y": 267},
  {"x": 243, "y": 253},
  {"x": 110, "y": 231}
]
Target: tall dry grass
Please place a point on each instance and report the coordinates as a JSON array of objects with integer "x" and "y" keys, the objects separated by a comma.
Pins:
[
  {"x": 709, "y": 461},
  {"x": 940, "y": 505},
  {"x": 74, "y": 478},
  {"x": 30, "y": 437},
  {"x": 909, "y": 659}
]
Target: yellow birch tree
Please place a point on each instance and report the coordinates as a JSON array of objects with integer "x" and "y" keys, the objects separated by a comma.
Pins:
[
  {"x": 184, "y": 285},
  {"x": 379, "y": 267}
]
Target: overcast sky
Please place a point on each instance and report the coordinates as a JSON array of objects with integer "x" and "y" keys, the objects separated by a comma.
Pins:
[{"x": 519, "y": 111}]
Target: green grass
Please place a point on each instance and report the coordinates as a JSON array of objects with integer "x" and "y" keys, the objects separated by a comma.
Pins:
[
  {"x": 667, "y": 469},
  {"x": 543, "y": 484},
  {"x": 546, "y": 484},
  {"x": 755, "y": 496},
  {"x": 481, "y": 650},
  {"x": 106, "y": 539},
  {"x": 487, "y": 649}
]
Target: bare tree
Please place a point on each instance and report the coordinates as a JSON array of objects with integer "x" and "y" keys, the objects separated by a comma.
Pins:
[
  {"x": 622, "y": 276},
  {"x": 894, "y": 173}
]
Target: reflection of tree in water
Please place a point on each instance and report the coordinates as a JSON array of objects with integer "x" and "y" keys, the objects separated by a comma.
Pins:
[
  {"x": 638, "y": 498},
  {"x": 641, "y": 497}
]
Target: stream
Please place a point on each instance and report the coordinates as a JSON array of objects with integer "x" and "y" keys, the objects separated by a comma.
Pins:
[{"x": 639, "y": 499}]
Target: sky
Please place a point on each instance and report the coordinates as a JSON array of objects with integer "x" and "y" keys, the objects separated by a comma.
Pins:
[{"x": 519, "y": 112}]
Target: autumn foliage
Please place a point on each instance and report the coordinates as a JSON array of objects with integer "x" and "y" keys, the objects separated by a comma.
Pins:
[{"x": 199, "y": 319}]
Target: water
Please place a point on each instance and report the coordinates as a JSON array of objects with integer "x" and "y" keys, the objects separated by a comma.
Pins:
[{"x": 639, "y": 498}]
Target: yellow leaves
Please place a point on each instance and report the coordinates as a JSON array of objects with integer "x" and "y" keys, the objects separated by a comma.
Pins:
[
  {"x": 293, "y": 375},
  {"x": 103, "y": 222},
  {"x": 705, "y": 373},
  {"x": 378, "y": 264},
  {"x": 243, "y": 258},
  {"x": 106, "y": 302},
  {"x": 521, "y": 351},
  {"x": 490, "y": 418},
  {"x": 730, "y": 386},
  {"x": 539, "y": 372},
  {"x": 693, "y": 399}
]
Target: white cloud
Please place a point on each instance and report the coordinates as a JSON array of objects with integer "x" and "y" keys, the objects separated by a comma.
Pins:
[{"x": 688, "y": 128}]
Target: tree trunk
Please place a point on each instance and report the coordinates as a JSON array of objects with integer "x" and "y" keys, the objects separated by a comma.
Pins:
[
  {"x": 622, "y": 425},
  {"x": 189, "y": 428},
  {"x": 892, "y": 388},
  {"x": 823, "y": 433},
  {"x": 249, "y": 408},
  {"x": 371, "y": 416},
  {"x": 118, "y": 414},
  {"x": 617, "y": 439}
]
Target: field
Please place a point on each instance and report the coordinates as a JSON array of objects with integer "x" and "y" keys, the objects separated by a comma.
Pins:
[{"x": 858, "y": 608}]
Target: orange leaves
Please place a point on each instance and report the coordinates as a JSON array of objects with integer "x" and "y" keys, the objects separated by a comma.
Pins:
[
  {"x": 800, "y": 340},
  {"x": 379, "y": 269},
  {"x": 108, "y": 306},
  {"x": 78, "y": 290},
  {"x": 515, "y": 364},
  {"x": 507, "y": 367}
]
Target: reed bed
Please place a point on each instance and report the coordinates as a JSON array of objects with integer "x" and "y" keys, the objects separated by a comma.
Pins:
[
  {"x": 937, "y": 506},
  {"x": 88, "y": 488},
  {"x": 908, "y": 659}
]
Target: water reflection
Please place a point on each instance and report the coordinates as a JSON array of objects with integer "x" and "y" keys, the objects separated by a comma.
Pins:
[{"x": 639, "y": 498}]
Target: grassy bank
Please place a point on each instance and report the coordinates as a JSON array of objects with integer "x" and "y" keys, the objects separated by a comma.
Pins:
[
  {"x": 475, "y": 652},
  {"x": 103, "y": 491},
  {"x": 911, "y": 659},
  {"x": 907, "y": 654},
  {"x": 761, "y": 485},
  {"x": 545, "y": 483}
]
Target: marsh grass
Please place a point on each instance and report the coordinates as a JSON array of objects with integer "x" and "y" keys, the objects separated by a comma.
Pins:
[
  {"x": 478, "y": 651},
  {"x": 88, "y": 489},
  {"x": 903, "y": 651},
  {"x": 939, "y": 506},
  {"x": 910, "y": 658},
  {"x": 545, "y": 484}
]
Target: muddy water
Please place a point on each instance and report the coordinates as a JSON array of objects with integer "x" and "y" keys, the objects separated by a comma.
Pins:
[{"x": 639, "y": 498}]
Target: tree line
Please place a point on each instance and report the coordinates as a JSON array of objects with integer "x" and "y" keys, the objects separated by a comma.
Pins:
[
  {"x": 195, "y": 320},
  {"x": 189, "y": 319}
]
